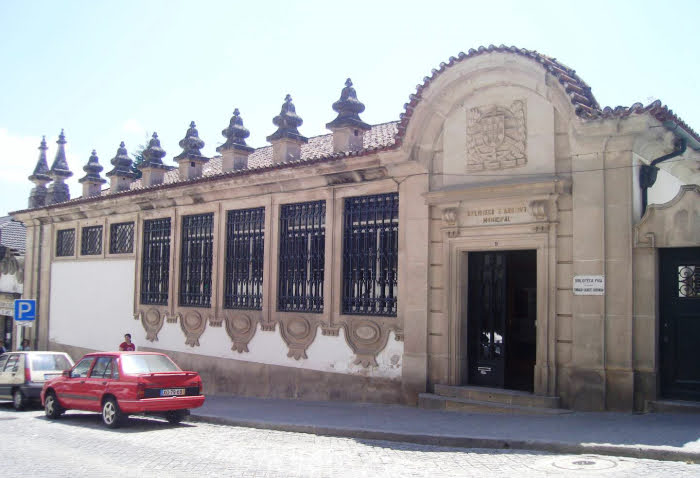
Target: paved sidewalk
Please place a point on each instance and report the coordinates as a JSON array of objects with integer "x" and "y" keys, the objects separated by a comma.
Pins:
[{"x": 660, "y": 436}]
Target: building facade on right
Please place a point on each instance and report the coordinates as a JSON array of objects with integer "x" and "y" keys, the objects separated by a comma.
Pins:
[{"x": 507, "y": 233}]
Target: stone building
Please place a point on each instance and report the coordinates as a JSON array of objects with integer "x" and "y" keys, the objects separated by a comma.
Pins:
[
  {"x": 12, "y": 236},
  {"x": 507, "y": 232}
]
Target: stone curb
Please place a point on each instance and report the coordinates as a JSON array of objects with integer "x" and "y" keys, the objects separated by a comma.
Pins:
[{"x": 650, "y": 453}]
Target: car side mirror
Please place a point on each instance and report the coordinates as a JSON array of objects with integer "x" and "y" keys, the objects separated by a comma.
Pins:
[{"x": 66, "y": 373}]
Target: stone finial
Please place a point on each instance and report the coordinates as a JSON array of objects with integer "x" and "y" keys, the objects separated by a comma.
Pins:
[
  {"x": 58, "y": 190},
  {"x": 153, "y": 155},
  {"x": 121, "y": 175},
  {"x": 191, "y": 146},
  {"x": 191, "y": 161},
  {"x": 348, "y": 129},
  {"x": 235, "y": 134},
  {"x": 40, "y": 177},
  {"x": 287, "y": 123},
  {"x": 286, "y": 141},
  {"x": 92, "y": 181},
  {"x": 235, "y": 151},
  {"x": 348, "y": 108}
]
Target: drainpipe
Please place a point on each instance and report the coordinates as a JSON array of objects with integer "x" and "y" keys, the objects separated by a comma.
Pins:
[{"x": 647, "y": 173}]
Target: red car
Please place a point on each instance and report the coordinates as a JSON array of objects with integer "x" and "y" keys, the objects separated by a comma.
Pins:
[{"x": 118, "y": 384}]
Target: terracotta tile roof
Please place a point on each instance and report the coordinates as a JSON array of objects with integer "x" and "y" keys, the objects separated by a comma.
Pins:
[
  {"x": 13, "y": 233},
  {"x": 380, "y": 137},
  {"x": 579, "y": 92}
]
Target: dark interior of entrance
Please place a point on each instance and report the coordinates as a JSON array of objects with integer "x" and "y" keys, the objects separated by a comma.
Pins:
[{"x": 502, "y": 310}]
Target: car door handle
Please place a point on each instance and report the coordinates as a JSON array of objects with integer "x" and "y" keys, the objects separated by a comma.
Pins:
[
  {"x": 104, "y": 383},
  {"x": 82, "y": 381}
]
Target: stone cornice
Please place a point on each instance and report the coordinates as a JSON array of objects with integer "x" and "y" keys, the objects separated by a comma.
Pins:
[{"x": 535, "y": 188}]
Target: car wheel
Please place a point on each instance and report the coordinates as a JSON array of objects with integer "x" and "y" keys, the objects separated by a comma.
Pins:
[
  {"x": 175, "y": 416},
  {"x": 51, "y": 407},
  {"x": 111, "y": 414},
  {"x": 18, "y": 400}
]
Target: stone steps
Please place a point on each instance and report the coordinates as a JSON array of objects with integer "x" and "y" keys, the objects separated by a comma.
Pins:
[
  {"x": 439, "y": 402},
  {"x": 492, "y": 400},
  {"x": 672, "y": 406}
]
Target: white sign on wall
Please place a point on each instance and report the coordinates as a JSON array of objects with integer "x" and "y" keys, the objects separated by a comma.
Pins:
[{"x": 589, "y": 285}]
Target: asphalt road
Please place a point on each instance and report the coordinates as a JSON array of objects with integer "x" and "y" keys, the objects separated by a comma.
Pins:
[{"x": 78, "y": 445}]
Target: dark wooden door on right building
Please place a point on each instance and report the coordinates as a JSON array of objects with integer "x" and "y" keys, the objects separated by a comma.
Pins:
[{"x": 679, "y": 325}]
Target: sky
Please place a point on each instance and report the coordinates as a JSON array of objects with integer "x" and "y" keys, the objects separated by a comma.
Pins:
[{"x": 108, "y": 71}]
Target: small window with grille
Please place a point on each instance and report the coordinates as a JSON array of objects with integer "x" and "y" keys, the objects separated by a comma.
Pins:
[
  {"x": 155, "y": 261},
  {"x": 91, "y": 241},
  {"x": 302, "y": 257},
  {"x": 245, "y": 239},
  {"x": 65, "y": 243},
  {"x": 370, "y": 255},
  {"x": 689, "y": 280},
  {"x": 196, "y": 260},
  {"x": 121, "y": 238}
]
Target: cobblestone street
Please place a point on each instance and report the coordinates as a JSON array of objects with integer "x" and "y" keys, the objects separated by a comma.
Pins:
[{"x": 78, "y": 445}]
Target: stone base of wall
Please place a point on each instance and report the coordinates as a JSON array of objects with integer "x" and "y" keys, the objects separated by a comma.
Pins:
[{"x": 249, "y": 379}]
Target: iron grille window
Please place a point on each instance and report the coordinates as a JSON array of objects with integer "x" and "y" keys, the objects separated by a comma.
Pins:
[
  {"x": 65, "y": 243},
  {"x": 91, "y": 241},
  {"x": 370, "y": 255},
  {"x": 155, "y": 265},
  {"x": 121, "y": 238},
  {"x": 196, "y": 260},
  {"x": 301, "y": 257},
  {"x": 245, "y": 237}
]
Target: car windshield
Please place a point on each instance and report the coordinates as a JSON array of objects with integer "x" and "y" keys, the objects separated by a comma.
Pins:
[
  {"x": 49, "y": 362},
  {"x": 132, "y": 364}
]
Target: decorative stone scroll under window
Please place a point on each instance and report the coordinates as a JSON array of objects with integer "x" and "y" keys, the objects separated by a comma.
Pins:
[
  {"x": 91, "y": 241},
  {"x": 65, "y": 243},
  {"x": 245, "y": 247},
  {"x": 196, "y": 260},
  {"x": 302, "y": 257},
  {"x": 155, "y": 265},
  {"x": 121, "y": 238},
  {"x": 688, "y": 281},
  {"x": 370, "y": 255}
]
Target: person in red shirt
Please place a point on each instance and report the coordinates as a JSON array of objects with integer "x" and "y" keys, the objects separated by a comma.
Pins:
[{"x": 127, "y": 345}]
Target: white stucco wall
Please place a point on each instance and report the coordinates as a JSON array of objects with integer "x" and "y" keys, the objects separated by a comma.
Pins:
[{"x": 92, "y": 306}]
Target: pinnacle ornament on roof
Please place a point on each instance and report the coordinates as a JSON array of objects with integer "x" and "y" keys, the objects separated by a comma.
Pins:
[
  {"x": 41, "y": 170},
  {"x": 191, "y": 145},
  {"x": 235, "y": 134},
  {"x": 348, "y": 108},
  {"x": 93, "y": 169},
  {"x": 122, "y": 163},
  {"x": 59, "y": 168},
  {"x": 287, "y": 123},
  {"x": 153, "y": 155}
]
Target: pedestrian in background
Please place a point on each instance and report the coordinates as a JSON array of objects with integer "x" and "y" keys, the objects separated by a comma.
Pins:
[
  {"x": 2, "y": 347},
  {"x": 127, "y": 345},
  {"x": 24, "y": 346}
]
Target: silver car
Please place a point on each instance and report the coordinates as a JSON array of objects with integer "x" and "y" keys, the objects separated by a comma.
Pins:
[{"x": 22, "y": 374}]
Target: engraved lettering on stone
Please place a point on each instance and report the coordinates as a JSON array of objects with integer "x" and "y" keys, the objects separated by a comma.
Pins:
[{"x": 496, "y": 137}]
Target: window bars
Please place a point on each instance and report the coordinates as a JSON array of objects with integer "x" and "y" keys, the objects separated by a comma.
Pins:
[
  {"x": 245, "y": 237},
  {"x": 155, "y": 269},
  {"x": 370, "y": 255},
  {"x": 121, "y": 238},
  {"x": 65, "y": 243},
  {"x": 301, "y": 257},
  {"x": 196, "y": 260},
  {"x": 91, "y": 241}
]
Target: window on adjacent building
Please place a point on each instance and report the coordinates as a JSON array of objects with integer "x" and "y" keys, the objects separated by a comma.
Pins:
[
  {"x": 91, "y": 241},
  {"x": 196, "y": 260},
  {"x": 121, "y": 238},
  {"x": 301, "y": 257},
  {"x": 65, "y": 243},
  {"x": 370, "y": 253},
  {"x": 155, "y": 266},
  {"x": 245, "y": 237}
]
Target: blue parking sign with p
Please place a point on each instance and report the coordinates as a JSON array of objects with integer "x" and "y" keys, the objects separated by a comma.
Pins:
[{"x": 25, "y": 310}]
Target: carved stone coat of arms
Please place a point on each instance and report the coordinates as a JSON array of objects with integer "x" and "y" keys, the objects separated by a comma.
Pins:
[{"x": 496, "y": 137}]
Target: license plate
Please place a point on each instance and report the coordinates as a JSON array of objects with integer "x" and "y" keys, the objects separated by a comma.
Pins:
[{"x": 172, "y": 392}]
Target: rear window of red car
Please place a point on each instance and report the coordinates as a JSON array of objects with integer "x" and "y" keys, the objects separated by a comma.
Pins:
[{"x": 134, "y": 363}]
